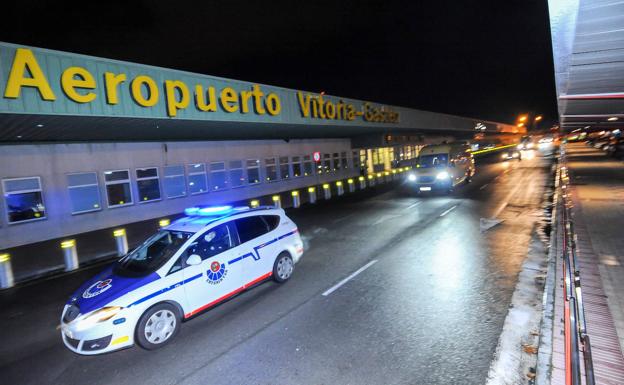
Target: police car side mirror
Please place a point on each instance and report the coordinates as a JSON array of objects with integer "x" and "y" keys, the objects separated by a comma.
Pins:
[{"x": 193, "y": 260}]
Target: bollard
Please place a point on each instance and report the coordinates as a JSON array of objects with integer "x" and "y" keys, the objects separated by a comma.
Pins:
[
  {"x": 122, "y": 241},
  {"x": 164, "y": 222},
  {"x": 388, "y": 178},
  {"x": 70, "y": 254},
  {"x": 351, "y": 185},
  {"x": 394, "y": 174},
  {"x": 339, "y": 188},
  {"x": 379, "y": 177},
  {"x": 371, "y": 180},
  {"x": 312, "y": 194},
  {"x": 254, "y": 203},
  {"x": 362, "y": 182},
  {"x": 327, "y": 191},
  {"x": 295, "y": 199},
  {"x": 277, "y": 201},
  {"x": 6, "y": 271}
]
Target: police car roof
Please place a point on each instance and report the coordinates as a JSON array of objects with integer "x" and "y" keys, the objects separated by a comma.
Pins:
[{"x": 195, "y": 223}]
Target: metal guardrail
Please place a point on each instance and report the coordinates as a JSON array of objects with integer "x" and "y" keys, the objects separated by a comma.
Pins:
[{"x": 575, "y": 328}]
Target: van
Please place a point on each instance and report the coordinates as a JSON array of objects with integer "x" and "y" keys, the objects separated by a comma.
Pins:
[{"x": 441, "y": 167}]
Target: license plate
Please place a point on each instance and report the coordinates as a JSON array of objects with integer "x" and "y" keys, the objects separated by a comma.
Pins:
[{"x": 425, "y": 189}]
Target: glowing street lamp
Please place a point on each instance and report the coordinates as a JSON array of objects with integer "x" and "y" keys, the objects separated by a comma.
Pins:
[
  {"x": 538, "y": 118},
  {"x": 522, "y": 118}
]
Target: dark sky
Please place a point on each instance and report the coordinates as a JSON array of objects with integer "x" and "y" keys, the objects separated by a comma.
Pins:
[{"x": 483, "y": 59}]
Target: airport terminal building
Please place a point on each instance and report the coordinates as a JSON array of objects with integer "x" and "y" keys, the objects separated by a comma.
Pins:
[{"x": 90, "y": 144}]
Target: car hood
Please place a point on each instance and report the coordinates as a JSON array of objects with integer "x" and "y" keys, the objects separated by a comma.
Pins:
[{"x": 105, "y": 288}]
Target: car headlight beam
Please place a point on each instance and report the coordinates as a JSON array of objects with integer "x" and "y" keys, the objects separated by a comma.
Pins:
[
  {"x": 97, "y": 316},
  {"x": 442, "y": 175},
  {"x": 411, "y": 178}
]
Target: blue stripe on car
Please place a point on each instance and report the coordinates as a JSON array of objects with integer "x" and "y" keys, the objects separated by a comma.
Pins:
[{"x": 164, "y": 290}]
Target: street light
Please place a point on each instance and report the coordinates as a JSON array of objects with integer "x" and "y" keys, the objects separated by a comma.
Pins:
[
  {"x": 522, "y": 118},
  {"x": 538, "y": 118},
  {"x": 613, "y": 119}
]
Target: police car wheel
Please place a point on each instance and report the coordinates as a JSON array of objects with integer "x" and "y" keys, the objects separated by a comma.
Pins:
[
  {"x": 283, "y": 267},
  {"x": 157, "y": 326}
]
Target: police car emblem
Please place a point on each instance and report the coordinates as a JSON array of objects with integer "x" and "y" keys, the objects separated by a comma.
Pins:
[
  {"x": 97, "y": 288},
  {"x": 217, "y": 273}
]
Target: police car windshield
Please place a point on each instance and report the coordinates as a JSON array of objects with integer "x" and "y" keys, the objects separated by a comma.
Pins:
[
  {"x": 152, "y": 254},
  {"x": 435, "y": 160}
]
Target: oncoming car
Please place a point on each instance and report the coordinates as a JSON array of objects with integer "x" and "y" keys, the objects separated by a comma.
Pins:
[
  {"x": 441, "y": 167},
  {"x": 511, "y": 154},
  {"x": 200, "y": 260}
]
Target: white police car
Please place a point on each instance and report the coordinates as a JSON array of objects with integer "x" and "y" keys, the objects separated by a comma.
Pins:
[{"x": 195, "y": 263}]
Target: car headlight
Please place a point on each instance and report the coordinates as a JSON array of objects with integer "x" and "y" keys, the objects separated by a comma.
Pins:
[
  {"x": 442, "y": 175},
  {"x": 97, "y": 316},
  {"x": 411, "y": 178}
]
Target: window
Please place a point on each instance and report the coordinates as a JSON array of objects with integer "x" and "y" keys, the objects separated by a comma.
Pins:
[
  {"x": 147, "y": 184},
  {"x": 23, "y": 199},
  {"x": 270, "y": 169},
  {"x": 343, "y": 159},
  {"x": 118, "y": 192},
  {"x": 272, "y": 221},
  {"x": 197, "y": 178},
  {"x": 284, "y": 167},
  {"x": 217, "y": 176},
  {"x": 84, "y": 192},
  {"x": 308, "y": 169},
  {"x": 253, "y": 171},
  {"x": 212, "y": 242},
  {"x": 355, "y": 155},
  {"x": 296, "y": 165},
  {"x": 326, "y": 167},
  {"x": 337, "y": 165},
  {"x": 151, "y": 254},
  {"x": 236, "y": 173},
  {"x": 250, "y": 228},
  {"x": 175, "y": 186}
]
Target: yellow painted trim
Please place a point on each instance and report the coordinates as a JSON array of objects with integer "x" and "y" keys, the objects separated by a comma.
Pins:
[
  {"x": 311, "y": 189},
  {"x": 120, "y": 340},
  {"x": 67, "y": 244},
  {"x": 295, "y": 193},
  {"x": 119, "y": 232},
  {"x": 275, "y": 198},
  {"x": 254, "y": 203},
  {"x": 164, "y": 222},
  {"x": 5, "y": 257}
]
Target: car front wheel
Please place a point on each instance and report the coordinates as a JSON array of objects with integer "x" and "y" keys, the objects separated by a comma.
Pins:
[
  {"x": 283, "y": 267},
  {"x": 157, "y": 326}
]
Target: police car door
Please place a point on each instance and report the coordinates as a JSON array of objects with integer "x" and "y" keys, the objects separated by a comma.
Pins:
[
  {"x": 258, "y": 245},
  {"x": 219, "y": 277}
]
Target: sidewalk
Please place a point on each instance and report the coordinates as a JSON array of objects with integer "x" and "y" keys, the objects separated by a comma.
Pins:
[{"x": 597, "y": 191}]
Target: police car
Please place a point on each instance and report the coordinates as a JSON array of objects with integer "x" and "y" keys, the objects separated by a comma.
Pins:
[{"x": 200, "y": 260}]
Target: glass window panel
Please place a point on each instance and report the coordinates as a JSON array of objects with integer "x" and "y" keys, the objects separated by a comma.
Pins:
[
  {"x": 271, "y": 169},
  {"x": 296, "y": 169},
  {"x": 86, "y": 178},
  {"x": 217, "y": 180},
  {"x": 216, "y": 166},
  {"x": 112, "y": 176},
  {"x": 307, "y": 168},
  {"x": 253, "y": 171},
  {"x": 149, "y": 190},
  {"x": 24, "y": 206},
  {"x": 118, "y": 194},
  {"x": 197, "y": 183},
  {"x": 195, "y": 168},
  {"x": 236, "y": 177},
  {"x": 284, "y": 167},
  {"x": 236, "y": 164},
  {"x": 12, "y": 185},
  {"x": 147, "y": 172},
  {"x": 343, "y": 160},
  {"x": 174, "y": 170},
  {"x": 84, "y": 199},
  {"x": 175, "y": 186}
]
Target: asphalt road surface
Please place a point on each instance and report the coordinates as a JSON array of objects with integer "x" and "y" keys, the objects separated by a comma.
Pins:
[{"x": 427, "y": 308}]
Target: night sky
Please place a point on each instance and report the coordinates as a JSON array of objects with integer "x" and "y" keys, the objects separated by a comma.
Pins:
[{"x": 483, "y": 59}]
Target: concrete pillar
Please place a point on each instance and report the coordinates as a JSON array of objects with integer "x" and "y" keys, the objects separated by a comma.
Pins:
[
  {"x": 122, "y": 241},
  {"x": 295, "y": 199},
  {"x": 277, "y": 201},
  {"x": 362, "y": 181},
  {"x": 327, "y": 191},
  {"x": 70, "y": 254},
  {"x": 6, "y": 271},
  {"x": 339, "y": 188},
  {"x": 351, "y": 185},
  {"x": 312, "y": 194}
]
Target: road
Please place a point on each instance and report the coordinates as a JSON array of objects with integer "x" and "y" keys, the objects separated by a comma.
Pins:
[{"x": 428, "y": 310}]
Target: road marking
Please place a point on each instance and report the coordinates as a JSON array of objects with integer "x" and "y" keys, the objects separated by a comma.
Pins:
[
  {"x": 484, "y": 186},
  {"x": 448, "y": 211},
  {"x": 413, "y": 205},
  {"x": 353, "y": 275}
]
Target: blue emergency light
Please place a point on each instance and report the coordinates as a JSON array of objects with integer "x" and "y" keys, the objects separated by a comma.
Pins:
[{"x": 212, "y": 211}]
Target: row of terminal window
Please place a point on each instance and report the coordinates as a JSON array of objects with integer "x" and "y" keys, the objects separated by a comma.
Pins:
[{"x": 24, "y": 196}]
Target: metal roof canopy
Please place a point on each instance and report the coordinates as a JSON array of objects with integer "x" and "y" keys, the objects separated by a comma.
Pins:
[
  {"x": 588, "y": 51},
  {"x": 27, "y": 117}
]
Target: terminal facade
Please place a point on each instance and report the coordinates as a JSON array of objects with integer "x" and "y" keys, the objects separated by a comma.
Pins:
[{"x": 88, "y": 143}]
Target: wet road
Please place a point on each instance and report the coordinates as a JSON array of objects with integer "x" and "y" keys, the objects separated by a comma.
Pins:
[{"x": 428, "y": 309}]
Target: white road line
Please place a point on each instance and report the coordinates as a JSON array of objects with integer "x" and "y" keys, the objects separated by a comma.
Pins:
[
  {"x": 448, "y": 211},
  {"x": 413, "y": 205},
  {"x": 484, "y": 186},
  {"x": 358, "y": 271}
]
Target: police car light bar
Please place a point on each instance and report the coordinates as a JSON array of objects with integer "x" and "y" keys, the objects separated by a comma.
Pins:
[{"x": 212, "y": 211}]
